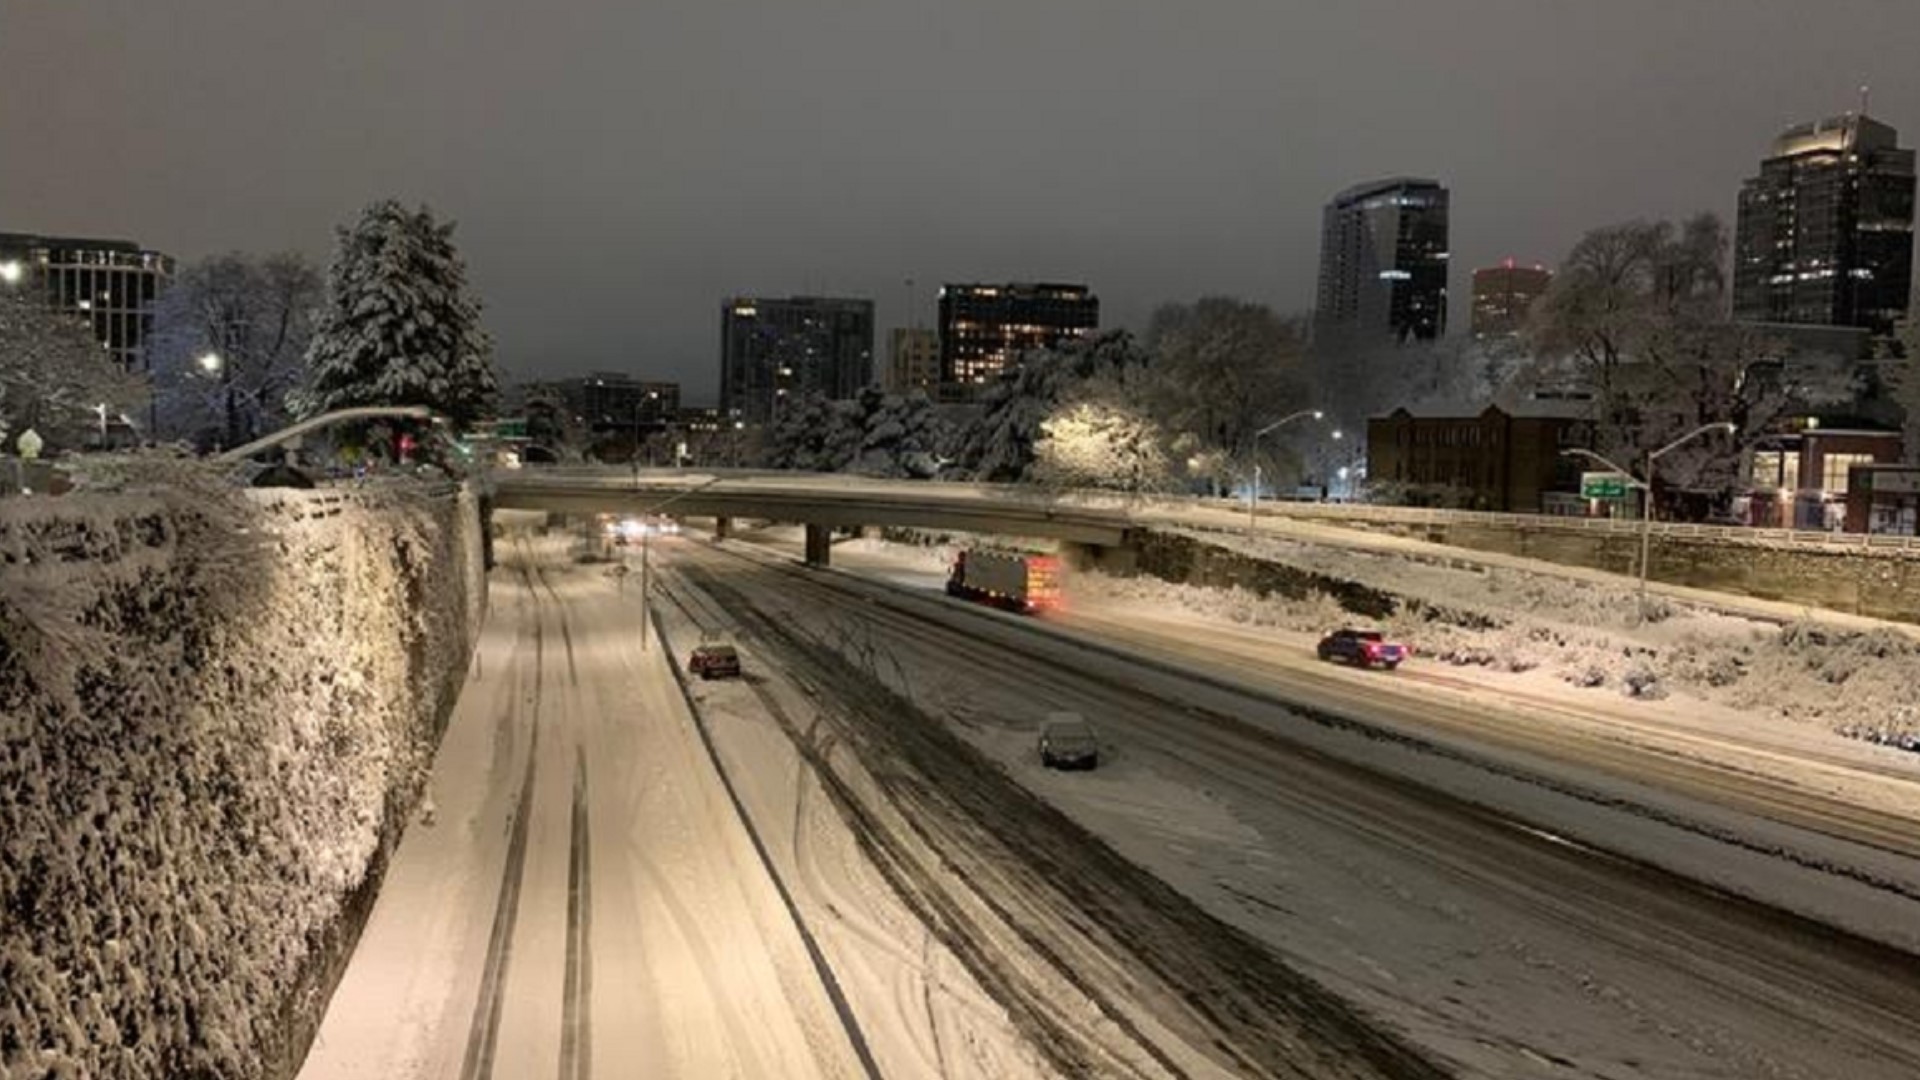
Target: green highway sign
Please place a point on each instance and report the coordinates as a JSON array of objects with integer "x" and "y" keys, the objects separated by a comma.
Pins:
[{"x": 1603, "y": 485}]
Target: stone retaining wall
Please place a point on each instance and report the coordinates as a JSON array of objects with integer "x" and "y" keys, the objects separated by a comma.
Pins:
[{"x": 217, "y": 712}]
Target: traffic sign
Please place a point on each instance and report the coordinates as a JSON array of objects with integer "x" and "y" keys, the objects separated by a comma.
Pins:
[{"x": 1604, "y": 485}]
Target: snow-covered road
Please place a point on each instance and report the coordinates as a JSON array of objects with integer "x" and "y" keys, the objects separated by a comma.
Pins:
[
  {"x": 628, "y": 873},
  {"x": 586, "y": 899},
  {"x": 848, "y": 863},
  {"x": 1518, "y": 911}
]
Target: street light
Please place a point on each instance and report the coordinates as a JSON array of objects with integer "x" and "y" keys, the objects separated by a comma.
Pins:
[
  {"x": 11, "y": 272},
  {"x": 214, "y": 364},
  {"x": 646, "y": 549},
  {"x": 1646, "y": 487},
  {"x": 1253, "y": 496}
]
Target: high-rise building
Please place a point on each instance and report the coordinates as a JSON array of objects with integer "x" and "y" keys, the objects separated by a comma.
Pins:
[
  {"x": 612, "y": 401},
  {"x": 1383, "y": 262},
  {"x": 985, "y": 328},
  {"x": 1825, "y": 231},
  {"x": 913, "y": 360},
  {"x": 772, "y": 349},
  {"x": 112, "y": 283},
  {"x": 1504, "y": 295}
]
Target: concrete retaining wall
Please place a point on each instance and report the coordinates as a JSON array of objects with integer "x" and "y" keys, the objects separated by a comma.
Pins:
[
  {"x": 1882, "y": 583},
  {"x": 217, "y": 711}
]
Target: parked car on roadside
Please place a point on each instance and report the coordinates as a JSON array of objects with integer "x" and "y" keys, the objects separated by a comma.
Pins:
[
  {"x": 1067, "y": 741},
  {"x": 714, "y": 662},
  {"x": 1363, "y": 648}
]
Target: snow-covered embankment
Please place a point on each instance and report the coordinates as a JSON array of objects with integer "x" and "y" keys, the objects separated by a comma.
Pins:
[{"x": 217, "y": 708}]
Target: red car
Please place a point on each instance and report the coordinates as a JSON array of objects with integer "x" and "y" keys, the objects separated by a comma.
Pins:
[
  {"x": 1363, "y": 648},
  {"x": 714, "y": 662}
]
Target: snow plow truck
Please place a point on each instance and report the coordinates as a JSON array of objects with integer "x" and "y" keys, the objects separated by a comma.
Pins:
[{"x": 1017, "y": 582}]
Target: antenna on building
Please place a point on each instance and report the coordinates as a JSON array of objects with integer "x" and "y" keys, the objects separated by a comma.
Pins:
[
  {"x": 1866, "y": 97},
  {"x": 913, "y": 317}
]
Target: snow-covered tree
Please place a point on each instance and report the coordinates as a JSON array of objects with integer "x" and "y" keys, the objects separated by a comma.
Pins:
[
  {"x": 899, "y": 436},
  {"x": 229, "y": 343},
  {"x": 399, "y": 327},
  {"x": 55, "y": 376},
  {"x": 801, "y": 433},
  {"x": 1637, "y": 316},
  {"x": 998, "y": 446},
  {"x": 1225, "y": 368},
  {"x": 873, "y": 434},
  {"x": 1103, "y": 436}
]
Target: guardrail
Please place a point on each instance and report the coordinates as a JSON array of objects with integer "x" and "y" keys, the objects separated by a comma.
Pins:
[
  {"x": 1408, "y": 515},
  {"x": 850, "y": 489}
]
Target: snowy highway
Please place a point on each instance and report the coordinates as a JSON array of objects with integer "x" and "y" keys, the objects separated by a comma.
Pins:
[
  {"x": 1525, "y": 907},
  {"x": 849, "y": 863}
]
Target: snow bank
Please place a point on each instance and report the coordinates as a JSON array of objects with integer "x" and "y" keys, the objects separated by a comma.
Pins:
[
  {"x": 217, "y": 708},
  {"x": 1585, "y": 633}
]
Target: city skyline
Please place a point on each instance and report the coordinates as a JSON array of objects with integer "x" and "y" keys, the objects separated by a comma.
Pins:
[{"x": 1160, "y": 158}]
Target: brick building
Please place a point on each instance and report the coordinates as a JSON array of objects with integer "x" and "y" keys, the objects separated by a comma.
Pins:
[
  {"x": 1801, "y": 480},
  {"x": 1496, "y": 459}
]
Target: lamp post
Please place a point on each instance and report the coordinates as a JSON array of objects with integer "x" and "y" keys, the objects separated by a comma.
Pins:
[
  {"x": 214, "y": 364},
  {"x": 646, "y": 550},
  {"x": 1646, "y": 488},
  {"x": 1253, "y": 495}
]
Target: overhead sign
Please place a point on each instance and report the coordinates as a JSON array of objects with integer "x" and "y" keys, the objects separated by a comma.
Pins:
[{"x": 1604, "y": 485}]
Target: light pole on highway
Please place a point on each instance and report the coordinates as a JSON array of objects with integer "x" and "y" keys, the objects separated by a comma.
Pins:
[
  {"x": 1253, "y": 495},
  {"x": 646, "y": 551},
  {"x": 1646, "y": 493}
]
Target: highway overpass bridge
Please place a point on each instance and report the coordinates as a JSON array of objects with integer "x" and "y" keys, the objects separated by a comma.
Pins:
[{"x": 820, "y": 502}]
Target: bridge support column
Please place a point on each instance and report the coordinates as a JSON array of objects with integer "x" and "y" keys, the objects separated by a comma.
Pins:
[
  {"x": 722, "y": 528},
  {"x": 819, "y": 545}
]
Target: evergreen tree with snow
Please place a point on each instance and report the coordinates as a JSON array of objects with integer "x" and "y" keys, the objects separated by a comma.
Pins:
[
  {"x": 399, "y": 327},
  {"x": 999, "y": 445}
]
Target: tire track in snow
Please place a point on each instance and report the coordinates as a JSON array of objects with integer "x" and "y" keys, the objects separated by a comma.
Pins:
[
  {"x": 483, "y": 1038},
  {"x": 566, "y": 631},
  {"x": 1225, "y": 995},
  {"x": 842, "y": 1008},
  {"x": 576, "y": 1008}
]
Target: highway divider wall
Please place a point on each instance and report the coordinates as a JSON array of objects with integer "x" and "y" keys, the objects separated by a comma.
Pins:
[
  {"x": 218, "y": 709},
  {"x": 1879, "y": 582}
]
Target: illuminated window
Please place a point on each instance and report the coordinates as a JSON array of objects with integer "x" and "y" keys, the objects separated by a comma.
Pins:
[{"x": 1834, "y": 470}]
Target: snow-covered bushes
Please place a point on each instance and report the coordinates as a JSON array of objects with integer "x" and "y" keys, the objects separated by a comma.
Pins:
[
  {"x": 1584, "y": 633},
  {"x": 216, "y": 709}
]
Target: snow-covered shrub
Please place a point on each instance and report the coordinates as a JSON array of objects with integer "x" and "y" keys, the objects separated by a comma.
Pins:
[{"x": 216, "y": 708}]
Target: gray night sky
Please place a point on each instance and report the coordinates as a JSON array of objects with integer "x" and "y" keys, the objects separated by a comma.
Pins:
[{"x": 616, "y": 168}]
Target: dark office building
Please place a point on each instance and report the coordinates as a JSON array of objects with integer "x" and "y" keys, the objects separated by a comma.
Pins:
[
  {"x": 1508, "y": 460},
  {"x": 609, "y": 401},
  {"x": 1503, "y": 297},
  {"x": 1383, "y": 263},
  {"x": 774, "y": 349},
  {"x": 985, "y": 328},
  {"x": 112, "y": 283},
  {"x": 1825, "y": 232}
]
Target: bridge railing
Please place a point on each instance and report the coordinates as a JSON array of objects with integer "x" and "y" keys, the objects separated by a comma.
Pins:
[
  {"x": 1174, "y": 507},
  {"x": 1739, "y": 534}
]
